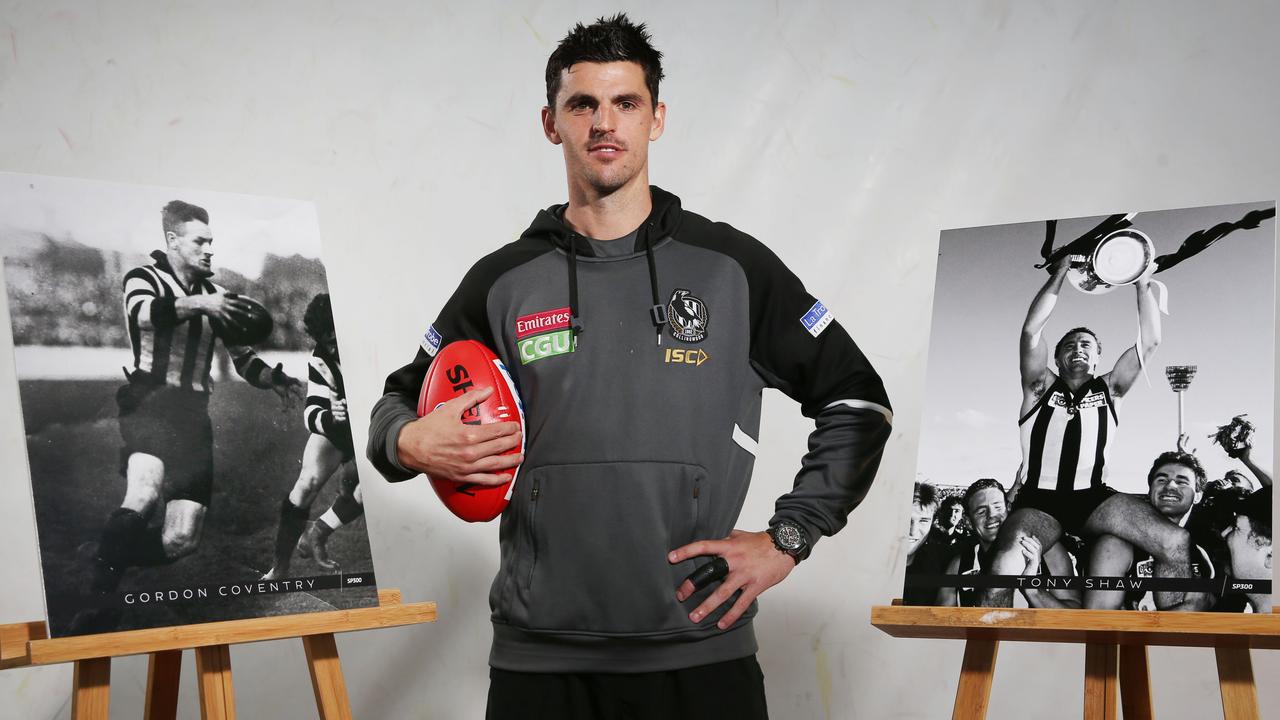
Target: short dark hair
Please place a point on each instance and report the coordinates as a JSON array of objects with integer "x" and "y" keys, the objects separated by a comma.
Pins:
[
  {"x": 178, "y": 212},
  {"x": 978, "y": 486},
  {"x": 1260, "y": 527},
  {"x": 612, "y": 39},
  {"x": 1257, "y": 507},
  {"x": 318, "y": 318},
  {"x": 1177, "y": 457},
  {"x": 925, "y": 495},
  {"x": 1073, "y": 331},
  {"x": 1226, "y": 477},
  {"x": 950, "y": 501},
  {"x": 1217, "y": 510}
]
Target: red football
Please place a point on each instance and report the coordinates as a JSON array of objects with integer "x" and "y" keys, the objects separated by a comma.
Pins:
[{"x": 467, "y": 366}]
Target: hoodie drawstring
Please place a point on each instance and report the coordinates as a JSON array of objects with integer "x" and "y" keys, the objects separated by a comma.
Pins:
[
  {"x": 576, "y": 324},
  {"x": 657, "y": 313}
]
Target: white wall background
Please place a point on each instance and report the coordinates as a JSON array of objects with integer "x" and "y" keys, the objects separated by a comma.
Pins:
[{"x": 844, "y": 135}]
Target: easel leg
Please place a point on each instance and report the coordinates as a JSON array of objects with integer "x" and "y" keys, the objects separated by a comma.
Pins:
[
  {"x": 326, "y": 677},
  {"x": 213, "y": 673},
  {"x": 1235, "y": 678},
  {"x": 974, "y": 690},
  {"x": 91, "y": 689},
  {"x": 163, "y": 670},
  {"x": 1100, "y": 681},
  {"x": 1135, "y": 683}
]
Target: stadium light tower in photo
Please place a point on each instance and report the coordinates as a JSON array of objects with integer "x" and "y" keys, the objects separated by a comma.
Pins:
[{"x": 1179, "y": 377}]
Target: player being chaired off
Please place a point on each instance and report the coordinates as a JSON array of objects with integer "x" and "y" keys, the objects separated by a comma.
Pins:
[
  {"x": 329, "y": 450},
  {"x": 1068, "y": 421}
]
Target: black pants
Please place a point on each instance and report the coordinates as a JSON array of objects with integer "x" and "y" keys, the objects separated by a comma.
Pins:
[{"x": 733, "y": 689}]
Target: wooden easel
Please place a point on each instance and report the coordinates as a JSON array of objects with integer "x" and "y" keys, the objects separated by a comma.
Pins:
[
  {"x": 23, "y": 644},
  {"x": 1115, "y": 650}
]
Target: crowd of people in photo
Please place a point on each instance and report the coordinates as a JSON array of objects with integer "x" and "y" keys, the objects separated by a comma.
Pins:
[{"x": 954, "y": 529}]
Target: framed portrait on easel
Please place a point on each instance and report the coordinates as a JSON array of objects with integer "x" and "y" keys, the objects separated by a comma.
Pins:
[
  {"x": 1099, "y": 416},
  {"x": 186, "y": 420}
]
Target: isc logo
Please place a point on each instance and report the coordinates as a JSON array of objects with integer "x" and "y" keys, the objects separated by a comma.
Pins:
[{"x": 686, "y": 357}]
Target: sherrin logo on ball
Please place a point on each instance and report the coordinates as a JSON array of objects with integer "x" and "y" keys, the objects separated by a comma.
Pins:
[{"x": 467, "y": 366}]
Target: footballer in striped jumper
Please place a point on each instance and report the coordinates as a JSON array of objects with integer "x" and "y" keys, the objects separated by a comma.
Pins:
[
  {"x": 1068, "y": 422},
  {"x": 328, "y": 452},
  {"x": 174, "y": 313}
]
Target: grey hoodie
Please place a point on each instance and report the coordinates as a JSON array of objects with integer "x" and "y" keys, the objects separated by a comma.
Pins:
[{"x": 641, "y": 377}]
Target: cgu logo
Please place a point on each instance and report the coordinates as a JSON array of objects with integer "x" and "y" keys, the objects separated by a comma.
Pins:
[
  {"x": 686, "y": 357},
  {"x": 544, "y": 346}
]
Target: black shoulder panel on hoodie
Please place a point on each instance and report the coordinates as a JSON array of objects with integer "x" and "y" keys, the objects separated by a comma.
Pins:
[
  {"x": 814, "y": 371},
  {"x": 464, "y": 317}
]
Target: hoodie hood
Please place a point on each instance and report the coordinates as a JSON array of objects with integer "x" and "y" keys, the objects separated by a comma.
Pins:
[{"x": 663, "y": 221}]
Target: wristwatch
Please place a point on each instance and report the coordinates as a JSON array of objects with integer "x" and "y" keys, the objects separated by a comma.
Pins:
[{"x": 790, "y": 538}]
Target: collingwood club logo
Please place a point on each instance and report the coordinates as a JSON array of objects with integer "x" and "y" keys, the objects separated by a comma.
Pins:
[{"x": 687, "y": 317}]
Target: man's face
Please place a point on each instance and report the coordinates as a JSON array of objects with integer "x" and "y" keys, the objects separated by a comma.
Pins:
[
  {"x": 987, "y": 513},
  {"x": 1077, "y": 354},
  {"x": 1251, "y": 557},
  {"x": 1173, "y": 490},
  {"x": 327, "y": 344},
  {"x": 953, "y": 517},
  {"x": 604, "y": 119},
  {"x": 921, "y": 519},
  {"x": 1238, "y": 480},
  {"x": 192, "y": 247}
]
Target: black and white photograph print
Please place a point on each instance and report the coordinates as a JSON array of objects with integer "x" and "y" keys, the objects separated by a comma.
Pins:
[
  {"x": 1098, "y": 417},
  {"x": 186, "y": 420}
]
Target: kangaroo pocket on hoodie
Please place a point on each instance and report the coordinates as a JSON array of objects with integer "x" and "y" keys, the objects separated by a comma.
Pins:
[{"x": 592, "y": 557}]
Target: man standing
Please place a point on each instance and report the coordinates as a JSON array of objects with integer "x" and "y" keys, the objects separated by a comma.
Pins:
[
  {"x": 174, "y": 315},
  {"x": 1068, "y": 422},
  {"x": 641, "y": 336}
]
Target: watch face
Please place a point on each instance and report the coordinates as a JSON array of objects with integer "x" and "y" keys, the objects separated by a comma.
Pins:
[{"x": 788, "y": 537}]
